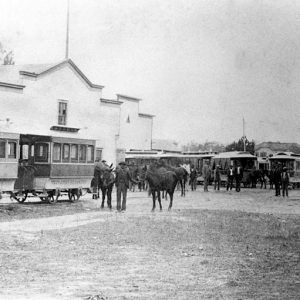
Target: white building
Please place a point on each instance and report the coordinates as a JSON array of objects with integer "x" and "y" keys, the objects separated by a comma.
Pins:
[{"x": 59, "y": 100}]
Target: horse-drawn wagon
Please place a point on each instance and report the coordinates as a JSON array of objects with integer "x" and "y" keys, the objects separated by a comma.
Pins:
[
  {"x": 9, "y": 143},
  {"x": 50, "y": 166},
  {"x": 291, "y": 161},
  {"x": 226, "y": 159}
]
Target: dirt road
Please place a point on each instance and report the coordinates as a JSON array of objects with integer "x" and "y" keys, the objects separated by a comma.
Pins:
[{"x": 211, "y": 245}]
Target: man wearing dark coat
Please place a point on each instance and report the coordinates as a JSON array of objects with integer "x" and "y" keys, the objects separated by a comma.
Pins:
[
  {"x": 123, "y": 178},
  {"x": 277, "y": 179},
  {"x": 238, "y": 177},
  {"x": 230, "y": 177}
]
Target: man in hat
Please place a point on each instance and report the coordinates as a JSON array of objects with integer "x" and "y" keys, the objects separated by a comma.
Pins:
[
  {"x": 123, "y": 178},
  {"x": 238, "y": 176},
  {"x": 277, "y": 178},
  {"x": 230, "y": 177},
  {"x": 217, "y": 178},
  {"x": 206, "y": 172}
]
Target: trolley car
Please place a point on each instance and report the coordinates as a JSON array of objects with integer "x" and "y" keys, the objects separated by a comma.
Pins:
[
  {"x": 291, "y": 161},
  {"x": 227, "y": 159},
  {"x": 46, "y": 166},
  {"x": 9, "y": 144}
]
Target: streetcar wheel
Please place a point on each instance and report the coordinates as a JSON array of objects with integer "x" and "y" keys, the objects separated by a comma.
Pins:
[
  {"x": 20, "y": 196},
  {"x": 52, "y": 199},
  {"x": 73, "y": 195}
]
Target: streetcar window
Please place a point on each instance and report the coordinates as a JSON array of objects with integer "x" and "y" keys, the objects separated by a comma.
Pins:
[
  {"x": 66, "y": 152},
  {"x": 82, "y": 153},
  {"x": 56, "y": 152},
  {"x": 12, "y": 150},
  {"x": 2, "y": 148},
  {"x": 98, "y": 154},
  {"x": 24, "y": 151},
  {"x": 74, "y": 153},
  {"x": 90, "y": 153},
  {"x": 41, "y": 152}
]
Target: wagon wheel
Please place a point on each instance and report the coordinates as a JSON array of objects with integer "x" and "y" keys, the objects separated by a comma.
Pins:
[
  {"x": 52, "y": 198},
  {"x": 74, "y": 195},
  {"x": 20, "y": 196}
]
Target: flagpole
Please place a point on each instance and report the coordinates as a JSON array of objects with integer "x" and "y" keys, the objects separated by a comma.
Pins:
[
  {"x": 244, "y": 137},
  {"x": 67, "y": 33}
]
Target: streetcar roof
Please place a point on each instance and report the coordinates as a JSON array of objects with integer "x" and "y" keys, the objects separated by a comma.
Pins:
[{"x": 235, "y": 154}]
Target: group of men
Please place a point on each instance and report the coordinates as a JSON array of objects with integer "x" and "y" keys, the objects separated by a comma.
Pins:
[
  {"x": 233, "y": 173},
  {"x": 281, "y": 179}
]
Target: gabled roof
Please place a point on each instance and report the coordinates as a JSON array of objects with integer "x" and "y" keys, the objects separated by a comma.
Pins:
[
  {"x": 10, "y": 74},
  {"x": 128, "y": 98},
  {"x": 277, "y": 146}
]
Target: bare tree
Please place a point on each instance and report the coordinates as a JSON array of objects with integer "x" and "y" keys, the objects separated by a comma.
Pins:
[{"x": 6, "y": 56}]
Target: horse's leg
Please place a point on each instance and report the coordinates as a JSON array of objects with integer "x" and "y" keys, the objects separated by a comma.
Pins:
[
  {"x": 171, "y": 200},
  {"x": 103, "y": 197},
  {"x": 159, "y": 200},
  {"x": 109, "y": 191},
  {"x": 153, "y": 198}
]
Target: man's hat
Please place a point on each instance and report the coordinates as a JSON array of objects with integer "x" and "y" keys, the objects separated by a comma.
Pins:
[
  {"x": 122, "y": 163},
  {"x": 103, "y": 160}
]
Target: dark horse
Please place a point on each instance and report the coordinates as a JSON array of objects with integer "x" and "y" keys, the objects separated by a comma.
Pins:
[
  {"x": 257, "y": 176},
  {"x": 161, "y": 179},
  {"x": 103, "y": 180}
]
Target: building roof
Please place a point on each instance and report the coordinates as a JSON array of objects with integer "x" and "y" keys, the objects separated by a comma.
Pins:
[
  {"x": 277, "y": 146},
  {"x": 128, "y": 97},
  {"x": 10, "y": 74},
  {"x": 165, "y": 145}
]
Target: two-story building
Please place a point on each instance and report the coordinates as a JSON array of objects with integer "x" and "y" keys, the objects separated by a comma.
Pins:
[{"x": 59, "y": 100}]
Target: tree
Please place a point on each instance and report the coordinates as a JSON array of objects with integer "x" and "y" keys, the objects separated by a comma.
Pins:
[
  {"x": 6, "y": 56},
  {"x": 239, "y": 145}
]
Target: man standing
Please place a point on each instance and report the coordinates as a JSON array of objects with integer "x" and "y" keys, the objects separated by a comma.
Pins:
[
  {"x": 193, "y": 178},
  {"x": 238, "y": 177},
  {"x": 230, "y": 177},
  {"x": 277, "y": 179},
  {"x": 217, "y": 178},
  {"x": 206, "y": 175},
  {"x": 122, "y": 183}
]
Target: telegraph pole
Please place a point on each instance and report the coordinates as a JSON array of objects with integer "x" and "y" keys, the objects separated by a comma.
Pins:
[
  {"x": 67, "y": 33},
  {"x": 244, "y": 137}
]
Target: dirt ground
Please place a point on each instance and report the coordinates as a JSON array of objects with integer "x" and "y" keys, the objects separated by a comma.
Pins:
[{"x": 215, "y": 245}]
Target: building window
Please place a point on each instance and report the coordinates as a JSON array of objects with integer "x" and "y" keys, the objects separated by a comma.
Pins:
[
  {"x": 74, "y": 153},
  {"x": 56, "y": 152},
  {"x": 12, "y": 150},
  {"x": 62, "y": 113},
  {"x": 2, "y": 149}
]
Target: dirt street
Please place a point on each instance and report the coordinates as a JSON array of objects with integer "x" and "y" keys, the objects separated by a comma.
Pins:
[{"x": 215, "y": 245}]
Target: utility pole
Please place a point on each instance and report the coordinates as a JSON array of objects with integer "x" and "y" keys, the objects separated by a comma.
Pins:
[
  {"x": 67, "y": 33},
  {"x": 244, "y": 137}
]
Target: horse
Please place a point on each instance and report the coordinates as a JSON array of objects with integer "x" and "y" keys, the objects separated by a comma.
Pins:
[
  {"x": 181, "y": 174},
  {"x": 160, "y": 179},
  {"x": 103, "y": 180}
]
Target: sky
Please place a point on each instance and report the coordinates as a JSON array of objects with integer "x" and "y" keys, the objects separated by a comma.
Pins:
[{"x": 200, "y": 66}]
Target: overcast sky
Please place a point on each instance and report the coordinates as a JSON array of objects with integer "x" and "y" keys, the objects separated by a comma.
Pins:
[{"x": 199, "y": 66}]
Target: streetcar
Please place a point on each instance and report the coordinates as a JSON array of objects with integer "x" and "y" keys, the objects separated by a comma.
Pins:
[
  {"x": 46, "y": 166},
  {"x": 226, "y": 159},
  {"x": 289, "y": 160}
]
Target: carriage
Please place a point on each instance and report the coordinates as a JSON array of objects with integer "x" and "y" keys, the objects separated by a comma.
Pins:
[
  {"x": 226, "y": 159},
  {"x": 47, "y": 166},
  {"x": 291, "y": 161},
  {"x": 9, "y": 143}
]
